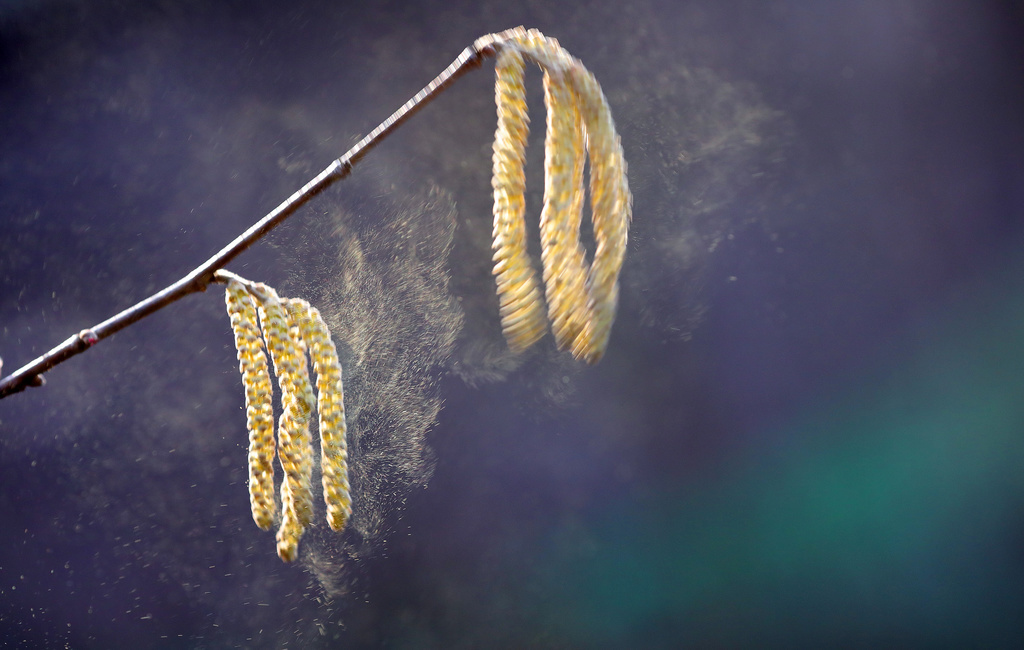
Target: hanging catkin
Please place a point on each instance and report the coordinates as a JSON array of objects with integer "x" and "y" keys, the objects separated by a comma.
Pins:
[
  {"x": 561, "y": 250},
  {"x": 252, "y": 363},
  {"x": 290, "y": 329},
  {"x": 520, "y": 308},
  {"x": 331, "y": 410},
  {"x": 293, "y": 441}
]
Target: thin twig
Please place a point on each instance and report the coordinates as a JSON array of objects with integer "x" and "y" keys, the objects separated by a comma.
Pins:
[{"x": 31, "y": 374}]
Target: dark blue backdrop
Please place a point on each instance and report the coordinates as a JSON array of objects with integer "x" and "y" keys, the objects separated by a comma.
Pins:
[{"x": 809, "y": 427}]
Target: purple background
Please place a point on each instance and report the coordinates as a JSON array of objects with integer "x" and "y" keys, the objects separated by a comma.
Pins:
[{"x": 808, "y": 430}]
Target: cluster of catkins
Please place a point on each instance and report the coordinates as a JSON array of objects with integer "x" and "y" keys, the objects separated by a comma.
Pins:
[
  {"x": 581, "y": 297},
  {"x": 290, "y": 329}
]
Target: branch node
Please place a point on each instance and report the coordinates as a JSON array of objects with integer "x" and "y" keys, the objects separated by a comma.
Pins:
[{"x": 88, "y": 338}]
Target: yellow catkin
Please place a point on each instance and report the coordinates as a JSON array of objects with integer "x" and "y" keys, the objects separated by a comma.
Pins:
[
  {"x": 520, "y": 308},
  {"x": 565, "y": 267},
  {"x": 294, "y": 443},
  {"x": 331, "y": 408},
  {"x": 611, "y": 206},
  {"x": 582, "y": 298},
  {"x": 306, "y": 404},
  {"x": 252, "y": 363}
]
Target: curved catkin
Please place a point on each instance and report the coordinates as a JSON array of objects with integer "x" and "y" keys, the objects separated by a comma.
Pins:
[
  {"x": 611, "y": 211},
  {"x": 331, "y": 407},
  {"x": 520, "y": 308},
  {"x": 258, "y": 403},
  {"x": 565, "y": 267},
  {"x": 294, "y": 445}
]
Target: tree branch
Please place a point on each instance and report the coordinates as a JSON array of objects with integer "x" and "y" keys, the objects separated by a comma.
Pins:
[{"x": 31, "y": 374}]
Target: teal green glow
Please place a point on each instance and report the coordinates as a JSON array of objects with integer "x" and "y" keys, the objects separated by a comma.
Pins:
[{"x": 886, "y": 516}]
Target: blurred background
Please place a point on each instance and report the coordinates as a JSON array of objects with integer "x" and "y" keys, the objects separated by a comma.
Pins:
[{"x": 808, "y": 429}]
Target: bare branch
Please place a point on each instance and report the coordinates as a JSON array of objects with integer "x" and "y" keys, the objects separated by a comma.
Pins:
[{"x": 31, "y": 374}]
